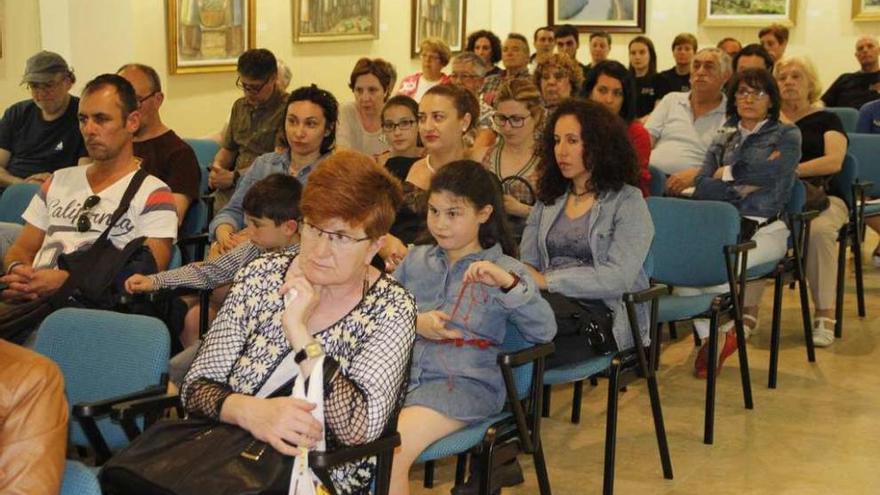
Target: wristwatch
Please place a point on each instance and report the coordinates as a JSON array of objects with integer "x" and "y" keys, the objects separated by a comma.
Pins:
[{"x": 311, "y": 350}]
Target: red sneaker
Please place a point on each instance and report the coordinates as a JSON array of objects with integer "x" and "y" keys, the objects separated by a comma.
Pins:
[{"x": 728, "y": 348}]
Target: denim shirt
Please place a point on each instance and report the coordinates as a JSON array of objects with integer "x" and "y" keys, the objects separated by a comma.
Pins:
[
  {"x": 766, "y": 159},
  {"x": 264, "y": 166},
  {"x": 621, "y": 232},
  {"x": 426, "y": 273}
]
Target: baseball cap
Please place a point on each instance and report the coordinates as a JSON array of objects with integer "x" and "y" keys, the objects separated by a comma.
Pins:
[{"x": 41, "y": 67}]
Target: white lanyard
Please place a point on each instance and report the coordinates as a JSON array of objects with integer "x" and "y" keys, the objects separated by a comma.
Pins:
[{"x": 302, "y": 479}]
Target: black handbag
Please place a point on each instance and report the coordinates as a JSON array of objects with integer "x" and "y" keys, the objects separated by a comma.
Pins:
[
  {"x": 96, "y": 277},
  {"x": 198, "y": 456},
  {"x": 584, "y": 328}
]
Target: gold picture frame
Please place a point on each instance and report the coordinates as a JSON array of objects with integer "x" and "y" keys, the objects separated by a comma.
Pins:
[
  {"x": 314, "y": 23},
  {"x": 728, "y": 14},
  {"x": 208, "y": 35},
  {"x": 866, "y": 10}
]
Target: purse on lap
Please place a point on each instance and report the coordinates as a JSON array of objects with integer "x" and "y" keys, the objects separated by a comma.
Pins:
[{"x": 204, "y": 456}]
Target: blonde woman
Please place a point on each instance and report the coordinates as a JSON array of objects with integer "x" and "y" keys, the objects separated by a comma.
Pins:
[{"x": 435, "y": 55}]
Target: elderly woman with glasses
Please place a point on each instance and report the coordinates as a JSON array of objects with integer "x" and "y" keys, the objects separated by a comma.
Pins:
[
  {"x": 750, "y": 164},
  {"x": 435, "y": 55},
  {"x": 360, "y": 319}
]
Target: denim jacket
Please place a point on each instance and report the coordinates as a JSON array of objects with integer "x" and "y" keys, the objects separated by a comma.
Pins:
[
  {"x": 426, "y": 273},
  {"x": 766, "y": 158},
  {"x": 621, "y": 232},
  {"x": 264, "y": 166}
]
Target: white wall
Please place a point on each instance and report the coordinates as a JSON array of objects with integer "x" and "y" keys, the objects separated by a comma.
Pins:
[{"x": 100, "y": 35}]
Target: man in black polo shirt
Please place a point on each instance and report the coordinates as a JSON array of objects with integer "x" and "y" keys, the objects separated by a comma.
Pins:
[
  {"x": 41, "y": 135},
  {"x": 857, "y": 88},
  {"x": 678, "y": 77}
]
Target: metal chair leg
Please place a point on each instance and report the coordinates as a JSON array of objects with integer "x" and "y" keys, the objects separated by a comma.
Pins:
[
  {"x": 860, "y": 283},
  {"x": 774, "y": 331},
  {"x": 429, "y": 474},
  {"x": 545, "y": 406},
  {"x": 673, "y": 332},
  {"x": 541, "y": 470},
  {"x": 841, "y": 276},
  {"x": 659, "y": 427},
  {"x": 576, "y": 401},
  {"x": 709, "y": 420},
  {"x": 460, "y": 468},
  {"x": 611, "y": 427},
  {"x": 743, "y": 354}
]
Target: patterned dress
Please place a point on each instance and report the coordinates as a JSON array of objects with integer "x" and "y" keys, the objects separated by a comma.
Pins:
[{"x": 371, "y": 346}]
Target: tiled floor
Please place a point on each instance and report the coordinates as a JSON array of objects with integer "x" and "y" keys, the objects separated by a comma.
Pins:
[{"x": 817, "y": 433}]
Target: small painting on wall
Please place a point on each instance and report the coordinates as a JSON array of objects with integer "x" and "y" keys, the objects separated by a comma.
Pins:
[
  {"x": 749, "y": 13},
  {"x": 334, "y": 20},
  {"x": 866, "y": 10},
  {"x": 613, "y": 16},
  {"x": 444, "y": 19},
  {"x": 208, "y": 35}
]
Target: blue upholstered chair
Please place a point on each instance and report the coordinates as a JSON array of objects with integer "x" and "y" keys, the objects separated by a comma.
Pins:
[
  {"x": 847, "y": 185},
  {"x": 79, "y": 479},
  {"x": 848, "y": 116},
  {"x": 106, "y": 358},
  {"x": 205, "y": 150},
  {"x": 696, "y": 244},
  {"x": 658, "y": 181},
  {"x": 522, "y": 366},
  {"x": 15, "y": 200}
]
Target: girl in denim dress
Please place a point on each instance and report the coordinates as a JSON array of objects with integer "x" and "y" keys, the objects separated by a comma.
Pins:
[{"x": 468, "y": 290}]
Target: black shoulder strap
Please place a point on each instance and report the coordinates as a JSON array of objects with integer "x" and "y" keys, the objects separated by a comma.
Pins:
[{"x": 132, "y": 189}]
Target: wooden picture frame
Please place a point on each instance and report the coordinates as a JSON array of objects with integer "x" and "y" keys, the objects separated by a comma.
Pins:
[
  {"x": 729, "y": 14},
  {"x": 208, "y": 35},
  {"x": 866, "y": 10},
  {"x": 612, "y": 16},
  {"x": 446, "y": 20},
  {"x": 313, "y": 23}
]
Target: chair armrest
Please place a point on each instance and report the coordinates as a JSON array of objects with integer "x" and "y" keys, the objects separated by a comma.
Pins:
[
  {"x": 807, "y": 216},
  {"x": 527, "y": 355},
  {"x": 326, "y": 460},
  {"x": 194, "y": 240},
  {"x": 103, "y": 407},
  {"x": 862, "y": 186},
  {"x": 740, "y": 247},
  {"x": 133, "y": 408},
  {"x": 653, "y": 292}
]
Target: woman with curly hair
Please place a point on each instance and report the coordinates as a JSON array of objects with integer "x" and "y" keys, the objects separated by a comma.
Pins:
[
  {"x": 558, "y": 77},
  {"x": 487, "y": 46},
  {"x": 589, "y": 233}
]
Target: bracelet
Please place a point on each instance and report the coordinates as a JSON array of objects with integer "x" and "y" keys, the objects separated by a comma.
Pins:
[
  {"x": 12, "y": 266},
  {"x": 510, "y": 287}
]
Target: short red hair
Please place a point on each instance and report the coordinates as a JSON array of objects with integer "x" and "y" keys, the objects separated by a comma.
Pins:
[{"x": 351, "y": 187}]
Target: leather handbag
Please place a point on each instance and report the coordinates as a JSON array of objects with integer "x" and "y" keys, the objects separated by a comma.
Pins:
[
  {"x": 199, "y": 456},
  {"x": 584, "y": 329}
]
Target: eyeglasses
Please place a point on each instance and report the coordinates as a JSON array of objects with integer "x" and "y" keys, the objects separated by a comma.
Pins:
[
  {"x": 250, "y": 88},
  {"x": 460, "y": 76},
  {"x": 743, "y": 94},
  {"x": 515, "y": 121},
  {"x": 402, "y": 124},
  {"x": 141, "y": 100},
  {"x": 336, "y": 239},
  {"x": 83, "y": 224},
  {"x": 429, "y": 56},
  {"x": 44, "y": 87},
  {"x": 559, "y": 75}
]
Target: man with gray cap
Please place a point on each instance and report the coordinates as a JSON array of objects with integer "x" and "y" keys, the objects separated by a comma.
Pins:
[{"x": 41, "y": 135}]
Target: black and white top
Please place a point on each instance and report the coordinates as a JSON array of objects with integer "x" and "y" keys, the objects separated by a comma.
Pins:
[{"x": 371, "y": 346}]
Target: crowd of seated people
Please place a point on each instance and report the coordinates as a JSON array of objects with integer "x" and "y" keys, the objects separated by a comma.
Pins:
[{"x": 383, "y": 208}]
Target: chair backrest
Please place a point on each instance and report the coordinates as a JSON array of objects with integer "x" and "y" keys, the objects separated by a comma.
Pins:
[
  {"x": 522, "y": 375},
  {"x": 102, "y": 355},
  {"x": 841, "y": 183},
  {"x": 689, "y": 240},
  {"x": 848, "y": 116},
  {"x": 15, "y": 200},
  {"x": 866, "y": 149},
  {"x": 79, "y": 479},
  {"x": 658, "y": 181},
  {"x": 196, "y": 219},
  {"x": 205, "y": 149}
]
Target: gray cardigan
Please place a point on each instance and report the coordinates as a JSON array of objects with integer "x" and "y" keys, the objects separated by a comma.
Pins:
[{"x": 621, "y": 232}]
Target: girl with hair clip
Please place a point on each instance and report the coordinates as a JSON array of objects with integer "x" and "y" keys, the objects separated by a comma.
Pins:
[
  {"x": 446, "y": 114},
  {"x": 468, "y": 288}
]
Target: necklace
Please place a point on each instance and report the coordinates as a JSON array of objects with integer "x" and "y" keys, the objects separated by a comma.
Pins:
[{"x": 579, "y": 194}]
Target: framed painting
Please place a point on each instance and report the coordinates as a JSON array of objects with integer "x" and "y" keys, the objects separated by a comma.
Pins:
[
  {"x": 444, "y": 19},
  {"x": 748, "y": 13},
  {"x": 613, "y": 16},
  {"x": 331, "y": 20},
  {"x": 208, "y": 35},
  {"x": 866, "y": 10}
]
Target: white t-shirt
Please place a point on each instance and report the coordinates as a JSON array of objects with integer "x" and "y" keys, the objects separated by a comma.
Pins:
[
  {"x": 680, "y": 142},
  {"x": 59, "y": 203}
]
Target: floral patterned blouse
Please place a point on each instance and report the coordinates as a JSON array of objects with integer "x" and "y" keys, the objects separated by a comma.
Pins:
[{"x": 371, "y": 347}]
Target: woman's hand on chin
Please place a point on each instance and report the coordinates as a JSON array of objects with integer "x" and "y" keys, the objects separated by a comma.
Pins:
[{"x": 301, "y": 298}]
